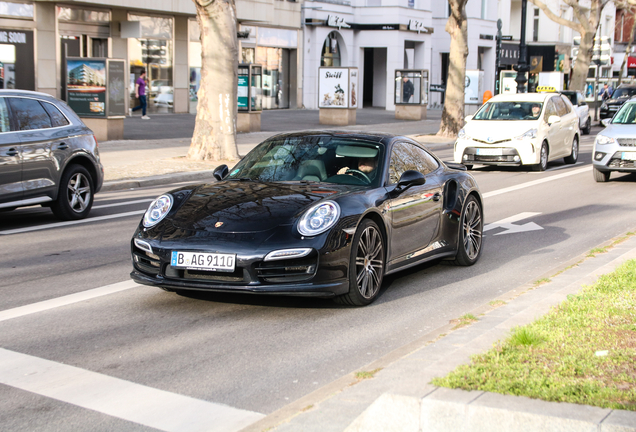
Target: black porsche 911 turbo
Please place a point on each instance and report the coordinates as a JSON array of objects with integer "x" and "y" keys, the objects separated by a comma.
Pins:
[{"x": 321, "y": 213}]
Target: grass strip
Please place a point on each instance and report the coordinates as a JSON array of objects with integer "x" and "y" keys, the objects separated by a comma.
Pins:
[{"x": 583, "y": 351}]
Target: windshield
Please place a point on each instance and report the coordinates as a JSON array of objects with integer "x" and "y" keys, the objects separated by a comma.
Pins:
[
  {"x": 624, "y": 92},
  {"x": 509, "y": 111},
  {"x": 626, "y": 115},
  {"x": 314, "y": 158}
]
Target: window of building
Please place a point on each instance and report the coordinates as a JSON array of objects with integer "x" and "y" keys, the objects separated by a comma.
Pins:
[
  {"x": 29, "y": 114},
  {"x": 484, "y": 10},
  {"x": 68, "y": 14},
  {"x": 330, "y": 55},
  {"x": 16, "y": 10},
  {"x": 535, "y": 30}
]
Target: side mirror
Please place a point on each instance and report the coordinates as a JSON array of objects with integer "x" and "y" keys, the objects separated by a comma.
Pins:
[
  {"x": 606, "y": 122},
  {"x": 220, "y": 172},
  {"x": 554, "y": 119},
  {"x": 468, "y": 118},
  {"x": 411, "y": 178}
]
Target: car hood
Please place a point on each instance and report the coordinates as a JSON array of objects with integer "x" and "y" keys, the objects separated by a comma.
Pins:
[
  {"x": 248, "y": 206},
  {"x": 498, "y": 130},
  {"x": 619, "y": 131},
  {"x": 617, "y": 101}
]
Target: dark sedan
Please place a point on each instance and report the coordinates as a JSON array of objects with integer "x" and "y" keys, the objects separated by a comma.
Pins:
[
  {"x": 47, "y": 156},
  {"x": 323, "y": 214}
]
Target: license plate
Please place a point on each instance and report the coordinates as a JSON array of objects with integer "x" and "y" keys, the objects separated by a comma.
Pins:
[
  {"x": 631, "y": 156},
  {"x": 203, "y": 261},
  {"x": 489, "y": 152}
]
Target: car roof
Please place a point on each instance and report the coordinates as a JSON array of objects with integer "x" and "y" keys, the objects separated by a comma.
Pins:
[
  {"x": 27, "y": 93},
  {"x": 369, "y": 136},
  {"x": 522, "y": 97}
]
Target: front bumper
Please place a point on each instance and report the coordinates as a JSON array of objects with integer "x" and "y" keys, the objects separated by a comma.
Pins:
[
  {"x": 524, "y": 152},
  {"x": 612, "y": 158},
  {"x": 318, "y": 274}
]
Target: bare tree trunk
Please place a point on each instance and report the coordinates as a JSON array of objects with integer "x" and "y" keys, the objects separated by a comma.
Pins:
[
  {"x": 582, "y": 63},
  {"x": 453, "y": 112},
  {"x": 628, "y": 50},
  {"x": 215, "y": 130}
]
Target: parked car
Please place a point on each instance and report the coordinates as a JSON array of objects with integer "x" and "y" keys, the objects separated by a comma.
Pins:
[
  {"x": 610, "y": 106},
  {"x": 581, "y": 108},
  {"x": 520, "y": 129},
  {"x": 47, "y": 156},
  {"x": 615, "y": 146},
  {"x": 322, "y": 214}
]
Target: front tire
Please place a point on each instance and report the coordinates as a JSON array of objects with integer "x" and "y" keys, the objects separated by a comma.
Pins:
[
  {"x": 470, "y": 234},
  {"x": 575, "y": 152},
  {"x": 366, "y": 265},
  {"x": 543, "y": 160},
  {"x": 75, "y": 197},
  {"x": 601, "y": 176}
]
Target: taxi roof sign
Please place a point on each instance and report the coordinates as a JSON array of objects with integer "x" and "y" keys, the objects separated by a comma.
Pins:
[{"x": 543, "y": 89}]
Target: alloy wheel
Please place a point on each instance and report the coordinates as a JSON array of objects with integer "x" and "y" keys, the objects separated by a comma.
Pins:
[
  {"x": 472, "y": 227},
  {"x": 369, "y": 262},
  {"x": 78, "y": 192}
]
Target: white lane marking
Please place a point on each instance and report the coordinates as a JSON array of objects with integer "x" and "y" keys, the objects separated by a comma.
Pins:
[
  {"x": 126, "y": 400},
  {"x": 66, "y": 300},
  {"x": 123, "y": 203},
  {"x": 536, "y": 182},
  {"x": 561, "y": 167},
  {"x": 507, "y": 223},
  {"x": 68, "y": 223}
]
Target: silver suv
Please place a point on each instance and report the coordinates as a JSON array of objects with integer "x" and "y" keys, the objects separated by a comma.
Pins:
[
  {"x": 615, "y": 146},
  {"x": 47, "y": 156}
]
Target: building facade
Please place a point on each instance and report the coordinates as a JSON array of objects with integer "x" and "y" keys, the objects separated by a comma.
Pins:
[{"x": 159, "y": 36}]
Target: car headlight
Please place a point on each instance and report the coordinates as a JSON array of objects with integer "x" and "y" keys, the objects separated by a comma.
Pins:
[
  {"x": 603, "y": 140},
  {"x": 603, "y": 105},
  {"x": 462, "y": 134},
  {"x": 531, "y": 134},
  {"x": 158, "y": 210},
  {"x": 319, "y": 218}
]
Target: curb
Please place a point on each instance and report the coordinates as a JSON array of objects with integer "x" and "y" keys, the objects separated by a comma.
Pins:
[{"x": 157, "y": 180}]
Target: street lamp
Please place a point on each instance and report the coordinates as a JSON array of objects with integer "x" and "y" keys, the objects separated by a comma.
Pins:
[{"x": 522, "y": 67}]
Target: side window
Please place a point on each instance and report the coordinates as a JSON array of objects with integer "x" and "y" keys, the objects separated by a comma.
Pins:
[
  {"x": 409, "y": 157},
  {"x": 561, "y": 108},
  {"x": 550, "y": 110},
  {"x": 567, "y": 104},
  {"x": 29, "y": 114},
  {"x": 5, "y": 121},
  {"x": 57, "y": 118}
]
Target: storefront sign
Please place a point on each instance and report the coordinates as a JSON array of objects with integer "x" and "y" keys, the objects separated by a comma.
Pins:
[
  {"x": 13, "y": 37},
  {"x": 18, "y": 61},
  {"x": 509, "y": 54},
  {"x": 116, "y": 88},
  {"x": 631, "y": 62},
  {"x": 472, "y": 88},
  {"x": 337, "y": 21},
  {"x": 86, "y": 86},
  {"x": 416, "y": 25},
  {"x": 337, "y": 87},
  {"x": 242, "y": 92}
]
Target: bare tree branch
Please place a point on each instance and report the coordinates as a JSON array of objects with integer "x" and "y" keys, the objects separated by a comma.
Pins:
[{"x": 557, "y": 19}]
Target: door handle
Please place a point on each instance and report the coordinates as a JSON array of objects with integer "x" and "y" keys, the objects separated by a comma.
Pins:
[
  {"x": 12, "y": 152},
  {"x": 62, "y": 146},
  {"x": 437, "y": 196}
]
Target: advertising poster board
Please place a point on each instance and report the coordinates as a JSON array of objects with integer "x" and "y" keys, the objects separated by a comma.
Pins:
[
  {"x": 116, "y": 88},
  {"x": 333, "y": 87},
  {"x": 86, "y": 86},
  {"x": 507, "y": 82},
  {"x": 353, "y": 88},
  {"x": 242, "y": 92},
  {"x": 472, "y": 87}
]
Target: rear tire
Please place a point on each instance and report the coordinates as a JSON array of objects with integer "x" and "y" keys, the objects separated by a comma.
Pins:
[
  {"x": 543, "y": 161},
  {"x": 366, "y": 265},
  {"x": 575, "y": 152},
  {"x": 469, "y": 242},
  {"x": 601, "y": 176},
  {"x": 75, "y": 197},
  {"x": 588, "y": 127}
]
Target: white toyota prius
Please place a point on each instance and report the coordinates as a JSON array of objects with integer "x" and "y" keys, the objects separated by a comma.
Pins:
[{"x": 520, "y": 129}]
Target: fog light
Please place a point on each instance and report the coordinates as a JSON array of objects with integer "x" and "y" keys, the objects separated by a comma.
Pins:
[
  {"x": 516, "y": 158},
  {"x": 465, "y": 157},
  {"x": 599, "y": 155}
]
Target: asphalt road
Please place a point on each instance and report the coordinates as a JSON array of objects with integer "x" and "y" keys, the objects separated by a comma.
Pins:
[{"x": 247, "y": 356}]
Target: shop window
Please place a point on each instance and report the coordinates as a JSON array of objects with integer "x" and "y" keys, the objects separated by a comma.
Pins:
[
  {"x": 330, "y": 55},
  {"x": 154, "y": 27},
  {"x": 247, "y": 55},
  {"x": 29, "y": 114},
  {"x": 16, "y": 10},
  {"x": 68, "y": 14},
  {"x": 275, "y": 62}
]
